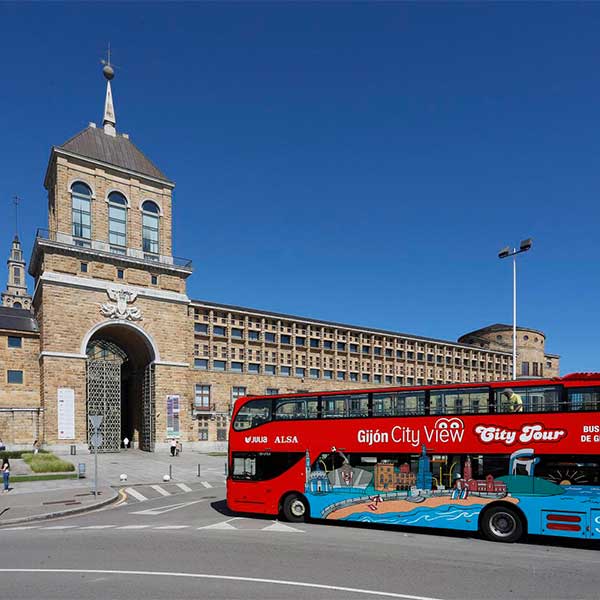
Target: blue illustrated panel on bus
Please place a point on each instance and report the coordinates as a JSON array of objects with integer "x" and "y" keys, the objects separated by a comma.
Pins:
[{"x": 393, "y": 494}]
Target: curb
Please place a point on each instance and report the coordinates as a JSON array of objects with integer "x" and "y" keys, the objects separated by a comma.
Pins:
[{"x": 62, "y": 513}]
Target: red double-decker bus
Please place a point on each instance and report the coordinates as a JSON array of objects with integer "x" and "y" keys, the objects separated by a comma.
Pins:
[{"x": 504, "y": 458}]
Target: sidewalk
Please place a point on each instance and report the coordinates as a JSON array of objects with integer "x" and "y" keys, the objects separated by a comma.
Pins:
[{"x": 30, "y": 501}]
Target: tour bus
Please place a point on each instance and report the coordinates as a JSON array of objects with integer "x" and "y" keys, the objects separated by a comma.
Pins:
[{"x": 502, "y": 458}]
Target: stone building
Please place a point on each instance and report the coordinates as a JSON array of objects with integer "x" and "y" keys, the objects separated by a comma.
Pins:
[
  {"x": 532, "y": 358},
  {"x": 113, "y": 332}
]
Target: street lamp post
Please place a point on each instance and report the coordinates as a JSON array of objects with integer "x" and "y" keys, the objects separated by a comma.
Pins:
[{"x": 505, "y": 253}]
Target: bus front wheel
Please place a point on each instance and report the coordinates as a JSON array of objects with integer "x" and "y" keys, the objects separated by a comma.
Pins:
[
  {"x": 502, "y": 524},
  {"x": 294, "y": 508}
]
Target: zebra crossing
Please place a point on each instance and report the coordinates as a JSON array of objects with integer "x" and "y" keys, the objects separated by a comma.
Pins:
[{"x": 143, "y": 493}]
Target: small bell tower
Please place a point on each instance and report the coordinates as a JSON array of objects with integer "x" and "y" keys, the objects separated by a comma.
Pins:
[{"x": 16, "y": 295}]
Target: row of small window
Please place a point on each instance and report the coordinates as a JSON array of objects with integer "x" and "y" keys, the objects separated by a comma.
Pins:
[
  {"x": 81, "y": 195},
  {"x": 83, "y": 267},
  {"x": 537, "y": 369},
  {"x": 415, "y": 403}
]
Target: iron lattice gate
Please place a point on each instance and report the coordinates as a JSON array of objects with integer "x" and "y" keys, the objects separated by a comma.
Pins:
[
  {"x": 104, "y": 398},
  {"x": 147, "y": 434}
]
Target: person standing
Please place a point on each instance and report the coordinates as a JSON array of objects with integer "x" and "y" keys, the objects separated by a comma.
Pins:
[
  {"x": 36, "y": 446},
  {"x": 5, "y": 473},
  {"x": 126, "y": 442},
  {"x": 514, "y": 401},
  {"x": 173, "y": 446}
]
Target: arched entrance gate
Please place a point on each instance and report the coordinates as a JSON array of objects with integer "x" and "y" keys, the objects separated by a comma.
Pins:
[{"x": 120, "y": 386}]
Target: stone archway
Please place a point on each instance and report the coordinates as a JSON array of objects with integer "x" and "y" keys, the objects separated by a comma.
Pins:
[{"x": 120, "y": 384}]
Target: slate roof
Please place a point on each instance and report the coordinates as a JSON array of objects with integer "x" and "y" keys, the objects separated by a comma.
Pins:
[
  {"x": 17, "y": 319},
  {"x": 115, "y": 150}
]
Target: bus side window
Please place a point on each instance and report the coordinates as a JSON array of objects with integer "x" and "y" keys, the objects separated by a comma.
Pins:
[
  {"x": 290, "y": 408},
  {"x": 584, "y": 399},
  {"x": 334, "y": 407}
]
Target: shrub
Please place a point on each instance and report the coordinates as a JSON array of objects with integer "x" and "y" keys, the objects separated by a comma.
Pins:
[{"x": 46, "y": 463}]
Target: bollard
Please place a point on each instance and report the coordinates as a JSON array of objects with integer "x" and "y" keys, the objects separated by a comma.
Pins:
[
  {"x": 225, "y": 465},
  {"x": 73, "y": 449},
  {"x": 171, "y": 471},
  {"x": 81, "y": 470},
  {"x": 199, "y": 471}
]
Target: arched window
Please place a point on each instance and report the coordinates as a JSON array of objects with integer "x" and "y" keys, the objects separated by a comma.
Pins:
[
  {"x": 17, "y": 305},
  {"x": 117, "y": 222},
  {"x": 82, "y": 211},
  {"x": 150, "y": 226},
  {"x": 17, "y": 275}
]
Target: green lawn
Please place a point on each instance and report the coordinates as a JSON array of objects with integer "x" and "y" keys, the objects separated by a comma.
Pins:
[
  {"x": 46, "y": 463},
  {"x": 17, "y": 478}
]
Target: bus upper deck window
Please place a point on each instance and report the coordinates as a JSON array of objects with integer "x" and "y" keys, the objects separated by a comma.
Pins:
[{"x": 253, "y": 414}]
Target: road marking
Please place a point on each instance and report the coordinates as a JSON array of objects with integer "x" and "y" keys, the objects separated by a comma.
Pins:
[
  {"x": 159, "y": 510},
  {"x": 60, "y": 527},
  {"x": 160, "y": 490},
  {"x": 277, "y": 526},
  {"x": 20, "y": 528},
  {"x": 173, "y": 527},
  {"x": 97, "y": 527},
  {"x": 183, "y": 487},
  {"x": 133, "y": 527},
  {"x": 131, "y": 492},
  {"x": 304, "y": 584},
  {"x": 221, "y": 525},
  {"x": 206, "y": 484}
]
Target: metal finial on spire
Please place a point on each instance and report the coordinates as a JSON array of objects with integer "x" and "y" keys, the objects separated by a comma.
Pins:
[
  {"x": 16, "y": 202},
  {"x": 110, "y": 120}
]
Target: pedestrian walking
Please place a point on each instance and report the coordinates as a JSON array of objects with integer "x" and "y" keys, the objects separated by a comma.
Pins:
[
  {"x": 178, "y": 448},
  {"x": 36, "y": 446},
  {"x": 173, "y": 446},
  {"x": 5, "y": 473},
  {"x": 126, "y": 442}
]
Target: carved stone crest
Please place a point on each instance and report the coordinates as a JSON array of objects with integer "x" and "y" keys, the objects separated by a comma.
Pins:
[{"x": 121, "y": 310}]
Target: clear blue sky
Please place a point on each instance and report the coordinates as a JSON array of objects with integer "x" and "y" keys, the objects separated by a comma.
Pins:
[{"x": 362, "y": 163}]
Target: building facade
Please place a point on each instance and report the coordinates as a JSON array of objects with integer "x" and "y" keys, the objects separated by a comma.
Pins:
[{"x": 112, "y": 331}]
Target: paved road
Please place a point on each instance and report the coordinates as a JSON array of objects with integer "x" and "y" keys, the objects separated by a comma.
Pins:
[{"x": 186, "y": 545}]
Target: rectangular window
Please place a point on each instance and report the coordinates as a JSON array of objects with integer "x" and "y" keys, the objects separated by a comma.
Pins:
[
  {"x": 237, "y": 392},
  {"x": 365, "y": 377},
  {"x": 341, "y": 346},
  {"x": 237, "y": 333},
  {"x": 14, "y": 376},
  {"x": 528, "y": 399},
  {"x": 328, "y": 344},
  {"x": 120, "y": 274},
  {"x": 201, "y": 363},
  {"x": 525, "y": 368},
  {"x": 286, "y": 339},
  {"x": 398, "y": 404},
  {"x": 366, "y": 349},
  {"x": 314, "y": 374},
  {"x": 420, "y": 356},
  {"x": 410, "y": 355},
  {"x": 202, "y": 397},
  {"x": 300, "y": 372},
  {"x": 535, "y": 369},
  {"x": 218, "y": 330},
  {"x": 377, "y": 351},
  {"x": 203, "y": 435},
  {"x": 341, "y": 375},
  {"x": 219, "y": 365},
  {"x": 455, "y": 402},
  {"x": 82, "y": 219},
  {"x": 327, "y": 374},
  {"x": 300, "y": 341},
  {"x": 15, "y": 341},
  {"x": 354, "y": 348},
  {"x": 272, "y": 391},
  {"x": 285, "y": 371},
  {"x": 314, "y": 343},
  {"x": 83, "y": 267},
  {"x": 269, "y": 369},
  {"x": 296, "y": 408},
  {"x": 353, "y": 376},
  {"x": 376, "y": 378},
  {"x": 584, "y": 399},
  {"x": 388, "y": 353},
  {"x": 389, "y": 379},
  {"x": 270, "y": 337},
  {"x": 117, "y": 225},
  {"x": 154, "y": 279},
  {"x": 150, "y": 233},
  {"x": 253, "y": 368},
  {"x": 221, "y": 435},
  {"x": 200, "y": 327},
  {"x": 237, "y": 367},
  {"x": 253, "y": 335},
  {"x": 399, "y": 353}
]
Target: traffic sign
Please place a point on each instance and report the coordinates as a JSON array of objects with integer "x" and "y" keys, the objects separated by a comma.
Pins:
[
  {"x": 96, "y": 440},
  {"x": 95, "y": 421}
]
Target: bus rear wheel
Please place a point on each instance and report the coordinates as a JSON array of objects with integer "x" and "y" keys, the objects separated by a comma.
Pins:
[
  {"x": 501, "y": 524},
  {"x": 294, "y": 508}
]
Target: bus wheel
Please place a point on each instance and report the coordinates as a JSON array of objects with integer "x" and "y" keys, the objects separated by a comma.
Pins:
[
  {"x": 294, "y": 508},
  {"x": 501, "y": 524}
]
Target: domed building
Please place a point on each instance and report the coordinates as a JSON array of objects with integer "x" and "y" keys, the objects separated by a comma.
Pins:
[{"x": 532, "y": 358}]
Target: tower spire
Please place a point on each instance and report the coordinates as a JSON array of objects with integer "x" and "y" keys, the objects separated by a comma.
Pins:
[
  {"x": 16, "y": 202},
  {"x": 110, "y": 120}
]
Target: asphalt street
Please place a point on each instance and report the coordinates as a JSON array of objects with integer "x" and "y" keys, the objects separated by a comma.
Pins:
[{"x": 185, "y": 544}]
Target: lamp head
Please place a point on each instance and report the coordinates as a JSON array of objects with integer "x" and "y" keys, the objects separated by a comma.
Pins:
[
  {"x": 526, "y": 244},
  {"x": 504, "y": 252}
]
